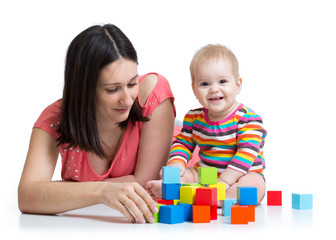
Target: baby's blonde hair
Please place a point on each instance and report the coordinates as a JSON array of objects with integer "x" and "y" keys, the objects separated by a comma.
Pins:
[{"x": 211, "y": 52}]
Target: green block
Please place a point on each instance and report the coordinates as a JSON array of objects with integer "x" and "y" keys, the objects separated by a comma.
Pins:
[
  {"x": 192, "y": 184},
  {"x": 207, "y": 175},
  {"x": 156, "y": 215}
]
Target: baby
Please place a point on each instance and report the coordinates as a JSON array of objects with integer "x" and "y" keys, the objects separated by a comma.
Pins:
[{"x": 230, "y": 135}]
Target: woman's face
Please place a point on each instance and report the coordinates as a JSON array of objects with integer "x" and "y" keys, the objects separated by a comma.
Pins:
[{"x": 117, "y": 90}]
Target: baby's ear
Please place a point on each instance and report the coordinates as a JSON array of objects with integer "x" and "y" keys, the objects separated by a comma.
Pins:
[
  {"x": 193, "y": 88},
  {"x": 239, "y": 84}
]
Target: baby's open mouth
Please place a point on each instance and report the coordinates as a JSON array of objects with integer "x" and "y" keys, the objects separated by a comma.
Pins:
[{"x": 215, "y": 98}]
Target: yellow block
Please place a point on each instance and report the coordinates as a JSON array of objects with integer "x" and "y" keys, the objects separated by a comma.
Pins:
[
  {"x": 220, "y": 190},
  {"x": 188, "y": 194}
]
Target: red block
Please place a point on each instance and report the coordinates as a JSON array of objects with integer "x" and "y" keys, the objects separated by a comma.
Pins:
[
  {"x": 201, "y": 214},
  {"x": 213, "y": 212},
  {"x": 239, "y": 214},
  {"x": 274, "y": 198},
  {"x": 206, "y": 196},
  {"x": 165, "y": 202}
]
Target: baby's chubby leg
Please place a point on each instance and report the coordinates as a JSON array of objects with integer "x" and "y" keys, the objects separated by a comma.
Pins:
[
  {"x": 250, "y": 179},
  {"x": 153, "y": 187}
]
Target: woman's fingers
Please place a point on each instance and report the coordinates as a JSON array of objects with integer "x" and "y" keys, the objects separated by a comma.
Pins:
[
  {"x": 132, "y": 207},
  {"x": 124, "y": 211},
  {"x": 131, "y": 200},
  {"x": 147, "y": 199},
  {"x": 143, "y": 201}
]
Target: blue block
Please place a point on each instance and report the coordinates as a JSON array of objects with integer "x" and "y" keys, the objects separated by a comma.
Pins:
[
  {"x": 170, "y": 174},
  {"x": 171, "y": 191},
  {"x": 188, "y": 216},
  {"x": 171, "y": 214},
  {"x": 302, "y": 201},
  {"x": 247, "y": 196},
  {"x": 227, "y": 206}
]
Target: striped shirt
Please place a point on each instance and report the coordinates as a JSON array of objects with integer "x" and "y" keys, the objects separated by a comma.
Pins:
[{"x": 236, "y": 142}]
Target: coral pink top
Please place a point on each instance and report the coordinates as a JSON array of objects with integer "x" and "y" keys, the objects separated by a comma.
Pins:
[{"x": 75, "y": 162}]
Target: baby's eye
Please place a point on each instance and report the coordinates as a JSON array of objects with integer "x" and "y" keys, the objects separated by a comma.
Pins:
[
  {"x": 222, "y": 81},
  {"x": 204, "y": 84}
]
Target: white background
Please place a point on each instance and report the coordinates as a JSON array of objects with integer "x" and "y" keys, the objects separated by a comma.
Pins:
[{"x": 287, "y": 56}]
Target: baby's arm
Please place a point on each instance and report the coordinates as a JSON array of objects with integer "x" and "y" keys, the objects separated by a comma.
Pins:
[
  {"x": 249, "y": 137},
  {"x": 229, "y": 177}
]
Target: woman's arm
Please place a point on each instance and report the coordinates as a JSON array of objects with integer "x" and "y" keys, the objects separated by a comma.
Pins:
[
  {"x": 38, "y": 194},
  {"x": 155, "y": 143},
  {"x": 156, "y": 135}
]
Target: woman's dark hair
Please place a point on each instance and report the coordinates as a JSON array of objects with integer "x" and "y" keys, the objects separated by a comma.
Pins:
[{"x": 88, "y": 53}]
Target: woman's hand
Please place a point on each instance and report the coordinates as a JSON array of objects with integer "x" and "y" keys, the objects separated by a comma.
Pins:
[{"x": 130, "y": 199}]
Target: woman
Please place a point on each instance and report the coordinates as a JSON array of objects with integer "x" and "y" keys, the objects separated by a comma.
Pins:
[{"x": 112, "y": 128}]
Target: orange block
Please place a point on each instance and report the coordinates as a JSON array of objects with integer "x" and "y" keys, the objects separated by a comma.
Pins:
[
  {"x": 251, "y": 213},
  {"x": 239, "y": 214},
  {"x": 201, "y": 214}
]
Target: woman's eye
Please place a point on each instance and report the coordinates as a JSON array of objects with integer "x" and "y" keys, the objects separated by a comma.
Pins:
[
  {"x": 132, "y": 85},
  {"x": 112, "y": 90}
]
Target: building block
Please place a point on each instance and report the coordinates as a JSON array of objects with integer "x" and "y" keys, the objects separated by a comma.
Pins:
[
  {"x": 171, "y": 191},
  {"x": 239, "y": 214},
  {"x": 213, "y": 212},
  {"x": 188, "y": 213},
  {"x": 220, "y": 190},
  {"x": 206, "y": 196},
  {"x": 251, "y": 213},
  {"x": 165, "y": 202},
  {"x": 227, "y": 203},
  {"x": 247, "y": 196},
  {"x": 171, "y": 214},
  {"x": 170, "y": 174},
  {"x": 201, "y": 214},
  {"x": 302, "y": 201},
  {"x": 274, "y": 198},
  {"x": 188, "y": 194},
  {"x": 207, "y": 175},
  {"x": 192, "y": 184},
  {"x": 156, "y": 215}
]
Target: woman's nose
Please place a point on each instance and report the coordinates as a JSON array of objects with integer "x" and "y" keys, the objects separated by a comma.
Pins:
[{"x": 126, "y": 97}]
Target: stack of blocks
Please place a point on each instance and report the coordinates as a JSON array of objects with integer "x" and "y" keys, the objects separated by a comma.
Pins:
[
  {"x": 196, "y": 202},
  {"x": 170, "y": 213},
  {"x": 244, "y": 211}
]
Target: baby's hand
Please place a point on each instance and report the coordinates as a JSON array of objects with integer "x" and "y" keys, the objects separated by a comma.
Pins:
[
  {"x": 220, "y": 179},
  {"x": 180, "y": 165},
  {"x": 176, "y": 164}
]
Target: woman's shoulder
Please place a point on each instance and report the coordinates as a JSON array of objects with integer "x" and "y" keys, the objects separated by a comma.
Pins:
[
  {"x": 147, "y": 84},
  {"x": 49, "y": 119},
  {"x": 154, "y": 89}
]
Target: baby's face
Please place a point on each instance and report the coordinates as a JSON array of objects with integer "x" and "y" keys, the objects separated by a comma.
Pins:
[{"x": 216, "y": 88}]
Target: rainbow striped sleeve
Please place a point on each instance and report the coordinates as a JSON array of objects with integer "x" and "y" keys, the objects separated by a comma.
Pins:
[
  {"x": 183, "y": 147},
  {"x": 250, "y": 140}
]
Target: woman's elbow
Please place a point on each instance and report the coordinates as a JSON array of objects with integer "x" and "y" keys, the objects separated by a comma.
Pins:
[{"x": 25, "y": 200}]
